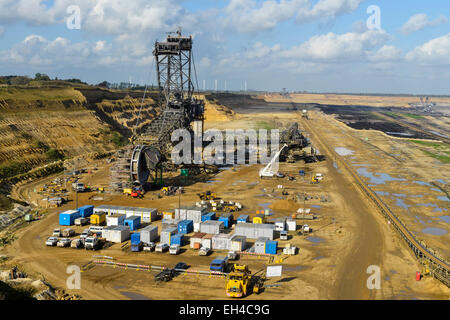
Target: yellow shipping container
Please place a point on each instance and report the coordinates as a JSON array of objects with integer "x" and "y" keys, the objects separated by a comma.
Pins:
[{"x": 98, "y": 218}]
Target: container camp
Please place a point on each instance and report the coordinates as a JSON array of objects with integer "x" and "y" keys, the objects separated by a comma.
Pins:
[
  {"x": 243, "y": 218},
  {"x": 207, "y": 241},
  {"x": 98, "y": 218},
  {"x": 117, "y": 234},
  {"x": 259, "y": 218},
  {"x": 280, "y": 224},
  {"x": 169, "y": 223},
  {"x": 227, "y": 219},
  {"x": 185, "y": 226},
  {"x": 67, "y": 218},
  {"x": 221, "y": 241},
  {"x": 196, "y": 226},
  {"x": 211, "y": 227},
  {"x": 149, "y": 234},
  {"x": 115, "y": 220},
  {"x": 166, "y": 234},
  {"x": 106, "y": 208},
  {"x": 291, "y": 224},
  {"x": 238, "y": 243},
  {"x": 177, "y": 239},
  {"x": 134, "y": 222},
  {"x": 196, "y": 240},
  {"x": 86, "y": 211},
  {"x": 209, "y": 216},
  {"x": 254, "y": 231}
]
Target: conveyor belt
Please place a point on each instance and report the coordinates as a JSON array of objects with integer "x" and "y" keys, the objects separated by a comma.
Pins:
[{"x": 439, "y": 268}]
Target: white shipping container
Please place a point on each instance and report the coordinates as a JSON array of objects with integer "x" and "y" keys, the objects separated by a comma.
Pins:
[
  {"x": 238, "y": 243},
  {"x": 166, "y": 235},
  {"x": 149, "y": 234},
  {"x": 118, "y": 234},
  {"x": 280, "y": 225},
  {"x": 291, "y": 224},
  {"x": 115, "y": 220},
  {"x": 211, "y": 227},
  {"x": 196, "y": 226},
  {"x": 207, "y": 241},
  {"x": 221, "y": 242}
]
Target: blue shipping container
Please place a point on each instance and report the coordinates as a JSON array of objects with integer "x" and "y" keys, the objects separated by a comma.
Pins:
[
  {"x": 271, "y": 247},
  {"x": 67, "y": 218},
  {"x": 185, "y": 226},
  {"x": 135, "y": 238},
  {"x": 227, "y": 220},
  {"x": 176, "y": 239},
  {"x": 209, "y": 216},
  {"x": 86, "y": 211},
  {"x": 243, "y": 218},
  {"x": 134, "y": 222}
]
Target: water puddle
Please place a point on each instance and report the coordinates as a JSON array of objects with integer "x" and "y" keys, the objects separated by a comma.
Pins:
[
  {"x": 382, "y": 193},
  {"x": 297, "y": 268},
  {"x": 315, "y": 239},
  {"x": 134, "y": 295},
  {"x": 265, "y": 204},
  {"x": 423, "y": 183},
  {"x": 401, "y": 195},
  {"x": 316, "y": 206},
  {"x": 343, "y": 151},
  {"x": 318, "y": 258},
  {"x": 377, "y": 178},
  {"x": 443, "y": 198},
  {"x": 434, "y": 231},
  {"x": 439, "y": 134},
  {"x": 445, "y": 218},
  {"x": 402, "y": 204}
]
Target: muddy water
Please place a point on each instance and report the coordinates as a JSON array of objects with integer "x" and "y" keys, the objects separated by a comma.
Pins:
[{"x": 434, "y": 231}]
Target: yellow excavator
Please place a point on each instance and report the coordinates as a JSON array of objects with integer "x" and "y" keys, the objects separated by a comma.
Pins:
[
  {"x": 207, "y": 195},
  {"x": 240, "y": 282}
]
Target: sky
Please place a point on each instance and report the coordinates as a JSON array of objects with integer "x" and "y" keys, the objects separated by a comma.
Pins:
[{"x": 347, "y": 46}]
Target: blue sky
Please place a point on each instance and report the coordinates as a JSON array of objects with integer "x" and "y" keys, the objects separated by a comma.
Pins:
[{"x": 313, "y": 45}]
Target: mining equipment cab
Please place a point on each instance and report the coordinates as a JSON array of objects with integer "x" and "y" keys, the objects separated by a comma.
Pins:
[
  {"x": 169, "y": 191},
  {"x": 207, "y": 195},
  {"x": 137, "y": 192},
  {"x": 240, "y": 282}
]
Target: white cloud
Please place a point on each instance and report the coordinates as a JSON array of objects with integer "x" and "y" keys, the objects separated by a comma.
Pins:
[
  {"x": 2, "y": 30},
  {"x": 333, "y": 46},
  {"x": 327, "y": 9},
  {"x": 433, "y": 52},
  {"x": 419, "y": 22},
  {"x": 386, "y": 54},
  {"x": 249, "y": 16}
]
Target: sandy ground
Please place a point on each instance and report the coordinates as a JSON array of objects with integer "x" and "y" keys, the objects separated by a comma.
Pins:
[{"x": 348, "y": 236}]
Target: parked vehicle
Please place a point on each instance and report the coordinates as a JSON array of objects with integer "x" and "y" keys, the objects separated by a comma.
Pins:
[
  {"x": 181, "y": 265},
  {"x": 92, "y": 243},
  {"x": 204, "y": 251},
  {"x": 77, "y": 244},
  {"x": 81, "y": 221},
  {"x": 78, "y": 186},
  {"x": 86, "y": 233},
  {"x": 220, "y": 264},
  {"x": 56, "y": 233},
  {"x": 232, "y": 255},
  {"x": 283, "y": 235},
  {"x": 162, "y": 247},
  {"x": 149, "y": 246},
  {"x": 68, "y": 232},
  {"x": 52, "y": 241},
  {"x": 174, "y": 249},
  {"x": 64, "y": 242}
]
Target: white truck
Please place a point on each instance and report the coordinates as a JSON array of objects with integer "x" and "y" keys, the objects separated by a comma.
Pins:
[
  {"x": 204, "y": 251},
  {"x": 91, "y": 243},
  {"x": 56, "y": 233},
  {"x": 68, "y": 232},
  {"x": 78, "y": 186},
  {"x": 174, "y": 249},
  {"x": 63, "y": 242},
  {"x": 162, "y": 247},
  {"x": 51, "y": 242}
]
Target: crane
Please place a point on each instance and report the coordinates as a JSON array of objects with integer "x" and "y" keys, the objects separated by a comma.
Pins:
[{"x": 268, "y": 171}]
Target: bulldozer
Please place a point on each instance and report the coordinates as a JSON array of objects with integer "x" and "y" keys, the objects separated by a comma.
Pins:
[
  {"x": 207, "y": 195},
  {"x": 227, "y": 207},
  {"x": 240, "y": 282},
  {"x": 171, "y": 190}
]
